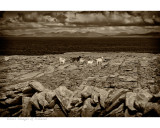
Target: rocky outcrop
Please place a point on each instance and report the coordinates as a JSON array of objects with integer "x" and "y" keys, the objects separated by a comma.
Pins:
[{"x": 31, "y": 99}]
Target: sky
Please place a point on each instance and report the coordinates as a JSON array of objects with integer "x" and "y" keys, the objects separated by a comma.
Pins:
[{"x": 105, "y": 23}]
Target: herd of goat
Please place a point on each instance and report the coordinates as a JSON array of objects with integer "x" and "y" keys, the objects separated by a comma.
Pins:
[
  {"x": 81, "y": 60},
  {"x": 74, "y": 59}
]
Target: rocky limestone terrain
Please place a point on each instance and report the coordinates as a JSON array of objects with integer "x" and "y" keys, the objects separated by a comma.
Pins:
[{"x": 124, "y": 85}]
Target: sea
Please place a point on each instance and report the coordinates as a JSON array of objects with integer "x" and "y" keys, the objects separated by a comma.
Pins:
[{"x": 58, "y": 45}]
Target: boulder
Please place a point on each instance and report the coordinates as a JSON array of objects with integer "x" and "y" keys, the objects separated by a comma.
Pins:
[
  {"x": 5, "y": 114},
  {"x": 2, "y": 110},
  {"x": 49, "y": 95},
  {"x": 87, "y": 92},
  {"x": 118, "y": 112},
  {"x": 140, "y": 105},
  {"x": 39, "y": 113},
  {"x": 148, "y": 107},
  {"x": 14, "y": 101},
  {"x": 27, "y": 90},
  {"x": 75, "y": 112},
  {"x": 63, "y": 95},
  {"x": 17, "y": 114},
  {"x": 130, "y": 98},
  {"x": 152, "y": 109},
  {"x": 157, "y": 108},
  {"x": 3, "y": 96},
  {"x": 114, "y": 96},
  {"x": 37, "y": 86},
  {"x": 142, "y": 98},
  {"x": 27, "y": 95},
  {"x": 87, "y": 109},
  {"x": 116, "y": 103},
  {"x": 145, "y": 94},
  {"x": 97, "y": 110},
  {"x": 155, "y": 98},
  {"x": 52, "y": 104},
  {"x": 138, "y": 114},
  {"x": 26, "y": 107},
  {"x": 34, "y": 101},
  {"x": 3, "y": 104},
  {"x": 10, "y": 94},
  {"x": 58, "y": 112},
  {"x": 127, "y": 114},
  {"x": 12, "y": 108},
  {"x": 46, "y": 113},
  {"x": 41, "y": 99},
  {"x": 95, "y": 96},
  {"x": 103, "y": 96},
  {"x": 75, "y": 100}
]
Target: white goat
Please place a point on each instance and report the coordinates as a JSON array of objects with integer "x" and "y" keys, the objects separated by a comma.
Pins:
[
  {"x": 90, "y": 62},
  {"x": 99, "y": 60},
  {"x": 62, "y": 60},
  {"x": 6, "y": 58},
  {"x": 81, "y": 60}
]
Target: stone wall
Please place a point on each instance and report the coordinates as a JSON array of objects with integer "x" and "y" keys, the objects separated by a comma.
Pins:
[{"x": 32, "y": 99}]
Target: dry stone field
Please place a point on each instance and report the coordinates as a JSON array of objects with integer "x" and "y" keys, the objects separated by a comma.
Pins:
[{"x": 124, "y": 85}]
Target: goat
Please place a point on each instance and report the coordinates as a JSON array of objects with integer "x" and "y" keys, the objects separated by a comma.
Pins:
[
  {"x": 99, "y": 60},
  {"x": 76, "y": 59},
  {"x": 81, "y": 60},
  {"x": 90, "y": 62},
  {"x": 62, "y": 60},
  {"x": 6, "y": 58}
]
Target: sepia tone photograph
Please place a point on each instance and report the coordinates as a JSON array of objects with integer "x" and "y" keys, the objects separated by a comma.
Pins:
[{"x": 79, "y": 63}]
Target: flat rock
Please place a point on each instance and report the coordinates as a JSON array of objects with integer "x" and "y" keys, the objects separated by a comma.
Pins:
[
  {"x": 114, "y": 75},
  {"x": 128, "y": 78},
  {"x": 72, "y": 67},
  {"x": 37, "y": 86},
  {"x": 28, "y": 76},
  {"x": 63, "y": 66}
]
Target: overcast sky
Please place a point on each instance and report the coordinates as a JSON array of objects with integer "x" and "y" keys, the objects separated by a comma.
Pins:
[{"x": 108, "y": 23}]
